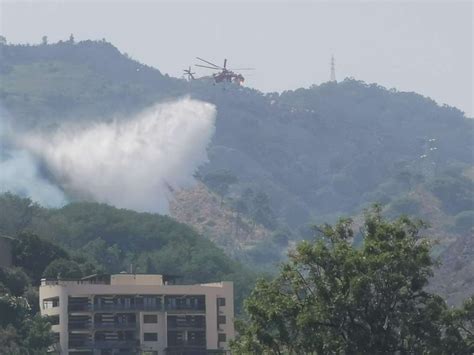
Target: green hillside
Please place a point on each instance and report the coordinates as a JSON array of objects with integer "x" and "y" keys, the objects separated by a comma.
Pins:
[
  {"x": 101, "y": 238},
  {"x": 299, "y": 157}
]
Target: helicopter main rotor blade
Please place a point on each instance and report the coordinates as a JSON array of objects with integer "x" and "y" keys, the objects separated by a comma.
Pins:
[
  {"x": 204, "y": 66},
  {"x": 205, "y": 61},
  {"x": 241, "y": 69}
]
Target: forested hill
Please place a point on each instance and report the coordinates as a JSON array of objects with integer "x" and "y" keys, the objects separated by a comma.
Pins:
[
  {"x": 308, "y": 155},
  {"x": 75, "y": 80},
  {"x": 97, "y": 238}
]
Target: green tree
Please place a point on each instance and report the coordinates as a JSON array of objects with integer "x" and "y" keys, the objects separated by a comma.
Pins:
[
  {"x": 44, "y": 40},
  {"x": 332, "y": 297},
  {"x": 15, "y": 279},
  {"x": 63, "y": 268},
  {"x": 38, "y": 335},
  {"x": 262, "y": 211},
  {"x": 220, "y": 181},
  {"x": 10, "y": 340},
  {"x": 16, "y": 213},
  {"x": 460, "y": 329},
  {"x": 35, "y": 254},
  {"x": 13, "y": 310}
]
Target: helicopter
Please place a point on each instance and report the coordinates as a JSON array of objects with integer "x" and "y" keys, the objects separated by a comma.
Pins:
[{"x": 225, "y": 75}]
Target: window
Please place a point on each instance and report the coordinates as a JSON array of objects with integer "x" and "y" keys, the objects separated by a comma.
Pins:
[
  {"x": 221, "y": 319},
  {"x": 51, "y": 303},
  {"x": 150, "y": 336},
  {"x": 221, "y": 338},
  {"x": 221, "y": 302},
  {"x": 54, "y": 320},
  {"x": 150, "y": 318}
]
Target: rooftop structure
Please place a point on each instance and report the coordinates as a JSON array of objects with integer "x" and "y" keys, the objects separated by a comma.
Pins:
[{"x": 138, "y": 314}]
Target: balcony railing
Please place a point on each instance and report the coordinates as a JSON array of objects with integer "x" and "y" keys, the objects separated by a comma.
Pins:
[
  {"x": 79, "y": 325},
  {"x": 115, "y": 325},
  {"x": 185, "y": 309},
  {"x": 188, "y": 344},
  {"x": 186, "y": 325},
  {"x": 131, "y": 307},
  {"x": 79, "y": 308},
  {"x": 115, "y": 344},
  {"x": 103, "y": 344}
]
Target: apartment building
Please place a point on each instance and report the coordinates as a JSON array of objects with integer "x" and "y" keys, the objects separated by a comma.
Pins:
[{"x": 138, "y": 314}]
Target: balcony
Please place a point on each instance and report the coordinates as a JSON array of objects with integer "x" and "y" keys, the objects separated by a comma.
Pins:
[
  {"x": 115, "y": 325},
  {"x": 188, "y": 322},
  {"x": 79, "y": 325},
  {"x": 201, "y": 344},
  {"x": 170, "y": 308},
  {"x": 79, "y": 308},
  {"x": 130, "y": 307},
  {"x": 103, "y": 344},
  {"x": 115, "y": 344}
]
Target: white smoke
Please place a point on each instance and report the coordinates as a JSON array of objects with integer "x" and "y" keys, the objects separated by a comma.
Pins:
[
  {"x": 130, "y": 164},
  {"x": 19, "y": 174}
]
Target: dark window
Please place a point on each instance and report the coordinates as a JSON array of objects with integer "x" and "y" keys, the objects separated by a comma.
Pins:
[
  {"x": 221, "y": 338},
  {"x": 221, "y": 302},
  {"x": 54, "y": 319},
  {"x": 221, "y": 319},
  {"x": 150, "y": 336},
  {"x": 150, "y": 318}
]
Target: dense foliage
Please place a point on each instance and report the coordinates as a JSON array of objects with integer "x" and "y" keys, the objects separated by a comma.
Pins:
[
  {"x": 83, "y": 238},
  {"x": 22, "y": 330},
  {"x": 333, "y": 298}
]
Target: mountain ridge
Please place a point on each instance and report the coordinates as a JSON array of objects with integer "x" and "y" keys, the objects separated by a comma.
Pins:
[{"x": 308, "y": 155}]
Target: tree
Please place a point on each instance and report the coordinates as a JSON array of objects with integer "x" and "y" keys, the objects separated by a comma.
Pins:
[
  {"x": 220, "y": 181},
  {"x": 17, "y": 213},
  {"x": 63, "y": 268},
  {"x": 262, "y": 211},
  {"x": 44, "y": 40},
  {"x": 13, "y": 310},
  {"x": 71, "y": 39},
  {"x": 3, "y": 40},
  {"x": 9, "y": 340},
  {"x": 334, "y": 298},
  {"x": 461, "y": 328},
  {"x": 14, "y": 279},
  {"x": 35, "y": 254},
  {"x": 38, "y": 334}
]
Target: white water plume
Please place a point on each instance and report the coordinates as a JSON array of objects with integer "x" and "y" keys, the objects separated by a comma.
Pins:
[{"x": 134, "y": 163}]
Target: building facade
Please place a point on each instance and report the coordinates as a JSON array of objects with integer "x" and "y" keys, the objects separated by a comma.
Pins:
[{"x": 138, "y": 314}]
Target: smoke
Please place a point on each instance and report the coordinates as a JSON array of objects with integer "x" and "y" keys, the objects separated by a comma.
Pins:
[
  {"x": 129, "y": 164},
  {"x": 20, "y": 172}
]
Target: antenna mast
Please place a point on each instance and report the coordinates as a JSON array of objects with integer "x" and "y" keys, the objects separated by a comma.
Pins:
[{"x": 333, "y": 70}]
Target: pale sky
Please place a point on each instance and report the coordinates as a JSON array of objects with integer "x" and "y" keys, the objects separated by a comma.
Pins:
[{"x": 426, "y": 47}]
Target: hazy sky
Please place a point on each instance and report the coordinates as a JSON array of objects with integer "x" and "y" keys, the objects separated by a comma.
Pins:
[{"x": 418, "y": 46}]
